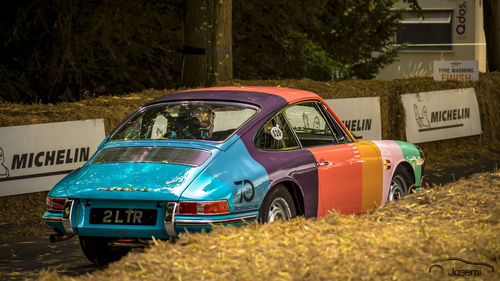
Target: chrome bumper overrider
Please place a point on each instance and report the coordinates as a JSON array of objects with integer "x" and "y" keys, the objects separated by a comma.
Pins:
[
  {"x": 168, "y": 222},
  {"x": 66, "y": 218}
]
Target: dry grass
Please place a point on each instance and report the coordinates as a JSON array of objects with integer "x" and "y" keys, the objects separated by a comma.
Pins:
[{"x": 398, "y": 241}]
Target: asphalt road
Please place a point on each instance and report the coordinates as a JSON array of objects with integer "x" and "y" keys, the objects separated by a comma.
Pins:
[{"x": 25, "y": 257}]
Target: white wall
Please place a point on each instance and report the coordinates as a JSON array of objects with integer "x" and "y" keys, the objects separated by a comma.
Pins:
[{"x": 468, "y": 46}]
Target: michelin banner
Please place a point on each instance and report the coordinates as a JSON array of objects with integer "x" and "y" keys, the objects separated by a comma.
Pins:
[
  {"x": 35, "y": 157},
  {"x": 360, "y": 115},
  {"x": 432, "y": 116}
]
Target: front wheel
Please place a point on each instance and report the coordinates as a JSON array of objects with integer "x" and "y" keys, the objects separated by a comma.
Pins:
[
  {"x": 400, "y": 184},
  {"x": 278, "y": 205},
  {"x": 97, "y": 250}
]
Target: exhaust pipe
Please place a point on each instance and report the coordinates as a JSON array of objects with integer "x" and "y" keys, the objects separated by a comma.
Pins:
[
  {"x": 126, "y": 244},
  {"x": 130, "y": 243},
  {"x": 59, "y": 237}
]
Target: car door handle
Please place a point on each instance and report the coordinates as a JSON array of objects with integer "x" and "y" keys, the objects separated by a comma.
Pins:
[{"x": 322, "y": 163}]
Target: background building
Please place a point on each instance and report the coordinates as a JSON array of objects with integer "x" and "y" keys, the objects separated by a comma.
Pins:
[{"x": 450, "y": 30}]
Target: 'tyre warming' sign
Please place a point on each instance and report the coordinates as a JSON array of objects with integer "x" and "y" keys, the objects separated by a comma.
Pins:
[
  {"x": 439, "y": 115},
  {"x": 35, "y": 157},
  {"x": 360, "y": 115},
  {"x": 456, "y": 70}
]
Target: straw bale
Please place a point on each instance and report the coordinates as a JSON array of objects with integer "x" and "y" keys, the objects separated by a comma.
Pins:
[
  {"x": 114, "y": 108},
  {"x": 397, "y": 241}
]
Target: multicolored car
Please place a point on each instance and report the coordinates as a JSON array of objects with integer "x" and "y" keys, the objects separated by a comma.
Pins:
[{"x": 232, "y": 155}]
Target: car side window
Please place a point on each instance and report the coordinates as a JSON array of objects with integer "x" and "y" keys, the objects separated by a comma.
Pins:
[
  {"x": 276, "y": 135},
  {"x": 309, "y": 124}
]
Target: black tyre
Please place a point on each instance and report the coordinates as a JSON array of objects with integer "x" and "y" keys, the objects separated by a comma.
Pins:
[
  {"x": 400, "y": 184},
  {"x": 278, "y": 205},
  {"x": 97, "y": 250}
]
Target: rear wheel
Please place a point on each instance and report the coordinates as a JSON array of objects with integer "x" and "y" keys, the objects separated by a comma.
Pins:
[
  {"x": 278, "y": 205},
  {"x": 400, "y": 184},
  {"x": 97, "y": 250}
]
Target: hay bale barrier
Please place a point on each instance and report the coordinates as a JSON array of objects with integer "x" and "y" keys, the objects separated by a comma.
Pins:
[
  {"x": 398, "y": 241},
  {"x": 114, "y": 108}
]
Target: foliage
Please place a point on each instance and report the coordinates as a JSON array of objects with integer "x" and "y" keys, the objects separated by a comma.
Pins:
[
  {"x": 322, "y": 40},
  {"x": 62, "y": 49}
]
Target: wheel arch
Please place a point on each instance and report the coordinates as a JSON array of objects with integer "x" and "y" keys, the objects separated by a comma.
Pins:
[
  {"x": 294, "y": 190},
  {"x": 407, "y": 166}
]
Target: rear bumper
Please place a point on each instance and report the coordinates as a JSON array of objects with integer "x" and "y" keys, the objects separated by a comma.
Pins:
[
  {"x": 238, "y": 219},
  {"x": 168, "y": 224}
]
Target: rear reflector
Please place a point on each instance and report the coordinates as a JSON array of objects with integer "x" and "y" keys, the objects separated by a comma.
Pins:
[
  {"x": 55, "y": 205},
  {"x": 186, "y": 208}
]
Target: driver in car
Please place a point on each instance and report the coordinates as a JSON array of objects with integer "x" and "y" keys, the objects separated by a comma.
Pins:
[
  {"x": 206, "y": 116},
  {"x": 194, "y": 122}
]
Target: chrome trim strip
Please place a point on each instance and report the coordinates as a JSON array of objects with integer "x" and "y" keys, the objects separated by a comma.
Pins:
[
  {"x": 169, "y": 220},
  {"x": 216, "y": 221},
  {"x": 51, "y": 218}
]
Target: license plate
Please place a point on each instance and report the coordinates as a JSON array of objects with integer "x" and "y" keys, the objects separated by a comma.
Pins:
[{"x": 122, "y": 216}]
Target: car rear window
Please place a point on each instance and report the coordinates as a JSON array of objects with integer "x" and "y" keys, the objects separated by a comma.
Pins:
[
  {"x": 166, "y": 155},
  {"x": 192, "y": 120}
]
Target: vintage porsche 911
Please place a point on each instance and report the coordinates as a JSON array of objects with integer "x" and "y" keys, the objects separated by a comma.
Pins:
[{"x": 232, "y": 155}]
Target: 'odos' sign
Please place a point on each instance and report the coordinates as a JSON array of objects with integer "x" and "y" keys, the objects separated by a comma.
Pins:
[{"x": 35, "y": 157}]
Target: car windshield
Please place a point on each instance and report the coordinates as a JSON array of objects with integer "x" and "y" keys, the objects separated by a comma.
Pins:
[{"x": 196, "y": 120}]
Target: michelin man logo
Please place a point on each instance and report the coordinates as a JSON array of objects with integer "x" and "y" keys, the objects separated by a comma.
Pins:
[
  {"x": 4, "y": 171},
  {"x": 422, "y": 118}
]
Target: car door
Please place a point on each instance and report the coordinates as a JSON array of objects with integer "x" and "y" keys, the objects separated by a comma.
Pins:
[
  {"x": 371, "y": 164},
  {"x": 345, "y": 168}
]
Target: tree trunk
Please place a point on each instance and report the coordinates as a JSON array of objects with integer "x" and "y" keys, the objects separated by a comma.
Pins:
[
  {"x": 491, "y": 12},
  {"x": 207, "y": 42}
]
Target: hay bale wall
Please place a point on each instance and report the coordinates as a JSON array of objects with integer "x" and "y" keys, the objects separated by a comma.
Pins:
[{"x": 114, "y": 108}]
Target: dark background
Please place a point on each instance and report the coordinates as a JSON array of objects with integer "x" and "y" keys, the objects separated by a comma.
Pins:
[{"x": 64, "y": 50}]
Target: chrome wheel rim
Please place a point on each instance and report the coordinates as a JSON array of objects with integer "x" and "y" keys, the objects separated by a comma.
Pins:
[
  {"x": 279, "y": 210},
  {"x": 398, "y": 187}
]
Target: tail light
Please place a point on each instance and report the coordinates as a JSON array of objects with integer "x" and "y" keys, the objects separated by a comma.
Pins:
[
  {"x": 55, "y": 205},
  {"x": 203, "y": 207}
]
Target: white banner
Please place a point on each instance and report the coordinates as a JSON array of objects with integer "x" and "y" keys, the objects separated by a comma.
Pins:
[
  {"x": 439, "y": 115},
  {"x": 360, "y": 115},
  {"x": 35, "y": 157},
  {"x": 466, "y": 70}
]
